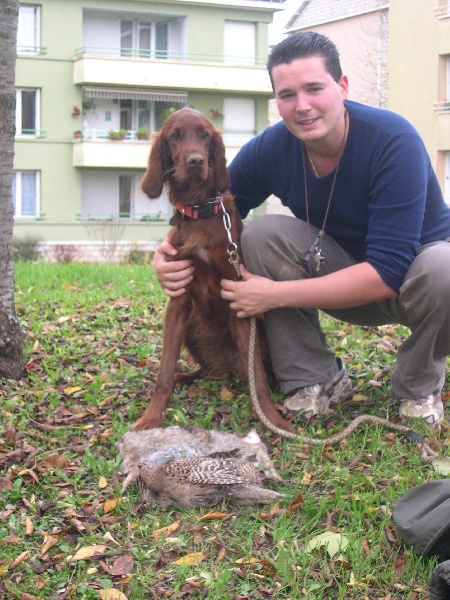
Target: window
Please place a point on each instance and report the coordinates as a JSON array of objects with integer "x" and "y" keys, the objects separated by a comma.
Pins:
[
  {"x": 447, "y": 95},
  {"x": 447, "y": 178},
  {"x": 239, "y": 42},
  {"x": 108, "y": 195},
  {"x": 27, "y": 112},
  {"x": 28, "y": 41},
  {"x": 25, "y": 189},
  {"x": 147, "y": 114},
  {"x": 239, "y": 122},
  {"x": 146, "y": 39},
  {"x": 125, "y": 195}
]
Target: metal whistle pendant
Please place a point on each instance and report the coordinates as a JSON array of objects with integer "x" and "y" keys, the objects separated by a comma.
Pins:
[
  {"x": 318, "y": 260},
  {"x": 314, "y": 255}
]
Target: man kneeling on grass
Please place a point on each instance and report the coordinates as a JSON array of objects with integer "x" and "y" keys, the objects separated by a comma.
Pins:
[{"x": 369, "y": 243}]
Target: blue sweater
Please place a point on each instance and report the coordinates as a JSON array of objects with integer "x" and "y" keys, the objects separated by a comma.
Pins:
[{"x": 386, "y": 202}]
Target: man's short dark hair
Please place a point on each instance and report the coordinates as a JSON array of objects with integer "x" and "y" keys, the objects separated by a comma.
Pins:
[{"x": 304, "y": 45}]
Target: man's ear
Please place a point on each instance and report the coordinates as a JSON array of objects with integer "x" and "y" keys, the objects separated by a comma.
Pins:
[{"x": 343, "y": 82}]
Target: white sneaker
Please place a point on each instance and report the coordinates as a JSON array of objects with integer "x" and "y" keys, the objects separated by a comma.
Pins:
[
  {"x": 430, "y": 409},
  {"x": 315, "y": 399}
]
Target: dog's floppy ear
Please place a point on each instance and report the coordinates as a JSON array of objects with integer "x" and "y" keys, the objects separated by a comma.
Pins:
[
  {"x": 219, "y": 163},
  {"x": 153, "y": 180}
]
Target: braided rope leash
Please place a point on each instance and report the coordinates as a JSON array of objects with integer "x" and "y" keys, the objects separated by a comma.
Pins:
[{"x": 428, "y": 454}]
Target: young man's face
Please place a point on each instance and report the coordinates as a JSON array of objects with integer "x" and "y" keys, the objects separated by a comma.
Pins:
[{"x": 310, "y": 101}]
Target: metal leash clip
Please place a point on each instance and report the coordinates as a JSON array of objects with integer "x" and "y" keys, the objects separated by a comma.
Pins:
[{"x": 232, "y": 249}]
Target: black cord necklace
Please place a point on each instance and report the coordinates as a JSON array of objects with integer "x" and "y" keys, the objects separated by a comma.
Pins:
[{"x": 314, "y": 252}]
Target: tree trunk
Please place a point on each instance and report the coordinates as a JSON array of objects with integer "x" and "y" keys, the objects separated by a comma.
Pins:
[{"x": 11, "y": 338}]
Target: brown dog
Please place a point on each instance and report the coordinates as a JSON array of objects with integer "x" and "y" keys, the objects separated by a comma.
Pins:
[{"x": 188, "y": 157}]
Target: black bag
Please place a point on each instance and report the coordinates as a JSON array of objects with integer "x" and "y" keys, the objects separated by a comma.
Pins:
[
  {"x": 422, "y": 518},
  {"x": 440, "y": 582}
]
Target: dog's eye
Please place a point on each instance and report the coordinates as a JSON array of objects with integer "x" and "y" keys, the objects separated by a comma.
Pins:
[
  {"x": 175, "y": 135},
  {"x": 204, "y": 134}
]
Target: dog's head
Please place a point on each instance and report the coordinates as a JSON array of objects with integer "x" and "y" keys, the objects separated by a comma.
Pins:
[{"x": 188, "y": 155}]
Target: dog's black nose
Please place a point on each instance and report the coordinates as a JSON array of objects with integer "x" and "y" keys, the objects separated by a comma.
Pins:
[{"x": 195, "y": 160}]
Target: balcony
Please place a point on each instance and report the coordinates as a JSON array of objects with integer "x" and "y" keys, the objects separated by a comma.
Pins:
[
  {"x": 442, "y": 107},
  {"x": 94, "y": 149},
  {"x": 105, "y": 66},
  {"x": 442, "y": 11}
]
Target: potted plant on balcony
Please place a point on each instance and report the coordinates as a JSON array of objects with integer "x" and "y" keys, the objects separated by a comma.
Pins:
[
  {"x": 142, "y": 133},
  {"x": 215, "y": 113},
  {"x": 115, "y": 134}
]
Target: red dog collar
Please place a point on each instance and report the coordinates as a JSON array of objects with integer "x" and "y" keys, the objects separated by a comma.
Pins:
[{"x": 206, "y": 211}]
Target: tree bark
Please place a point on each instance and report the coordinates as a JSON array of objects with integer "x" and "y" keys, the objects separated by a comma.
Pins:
[{"x": 11, "y": 338}]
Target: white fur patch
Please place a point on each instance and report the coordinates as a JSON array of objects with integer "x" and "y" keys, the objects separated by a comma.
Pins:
[{"x": 203, "y": 255}]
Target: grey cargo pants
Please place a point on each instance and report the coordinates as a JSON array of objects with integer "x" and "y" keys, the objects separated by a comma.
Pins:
[{"x": 274, "y": 246}]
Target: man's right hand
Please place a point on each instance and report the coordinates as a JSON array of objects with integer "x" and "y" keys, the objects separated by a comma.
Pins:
[{"x": 172, "y": 274}]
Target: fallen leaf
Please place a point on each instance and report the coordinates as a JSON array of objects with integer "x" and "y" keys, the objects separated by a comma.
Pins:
[
  {"x": 268, "y": 568},
  {"x": 273, "y": 512},
  {"x": 10, "y": 540},
  {"x": 102, "y": 482},
  {"x": 110, "y": 505},
  {"x": 55, "y": 461},
  {"x": 251, "y": 560},
  {"x": 295, "y": 505},
  {"x": 333, "y": 542},
  {"x": 72, "y": 389},
  {"x": 4, "y": 566},
  {"x": 441, "y": 465},
  {"x": 306, "y": 478},
  {"x": 112, "y": 594},
  {"x": 63, "y": 319},
  {"x": 194, "y": 558},
  {"x": 110, "y": 538},
  {"x": 225, "y": 395},
  {"x": 31, "y": 473},
  {"x": 221, "y": 554},
  {"x": 17, "y": 561},
  {"x": 122, "y": 565},
  {"x": 89, "y": 551},
  {"x": 165, "y": 531},
  {"x": 29, "y": 528},
  {"x": 211, "y": 516},
  {"x": 49, "y": 542}
]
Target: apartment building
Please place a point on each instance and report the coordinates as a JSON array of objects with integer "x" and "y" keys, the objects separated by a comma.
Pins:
[
  {"x": 95, "y": 81},
  {"x": 419, "y": 75},
  {"x": 360, "y": 30}
]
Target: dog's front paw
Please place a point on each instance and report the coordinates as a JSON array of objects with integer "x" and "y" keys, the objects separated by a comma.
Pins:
[{"x": 146, "y": 423}]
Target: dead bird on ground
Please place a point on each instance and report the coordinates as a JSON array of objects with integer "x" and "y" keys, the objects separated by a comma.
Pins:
[
  {"x": 202, "y": 481},
  {"x": 163, "y": 445}
]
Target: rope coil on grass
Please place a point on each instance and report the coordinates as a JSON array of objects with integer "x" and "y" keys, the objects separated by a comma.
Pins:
[{"x": 428, "y": 454}]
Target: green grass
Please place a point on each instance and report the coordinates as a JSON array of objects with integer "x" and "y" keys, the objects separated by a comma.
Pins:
[{"x": 93, "y": 337}]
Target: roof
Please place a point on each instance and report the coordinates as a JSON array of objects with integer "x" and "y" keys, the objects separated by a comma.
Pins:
[{"x": 317, "y": 12}]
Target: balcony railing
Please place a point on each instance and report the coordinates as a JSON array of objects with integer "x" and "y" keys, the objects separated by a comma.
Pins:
[
  {"x": 230, "y": 138},
  {"x": 171, "y": 55},
  {"x": 103, "y": 134},
  {"x": 30, "y": 133},
  {"x": 35, "y": 216},
  {"x": 442, "y": 107},
  {"x": 111, "y": 217},
  {"x": 442, "y": 11},
  {"x": 31, "y": 50}
]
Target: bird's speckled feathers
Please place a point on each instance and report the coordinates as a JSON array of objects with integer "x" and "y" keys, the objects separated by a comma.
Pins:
[{"x": 200, "y": 482}]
